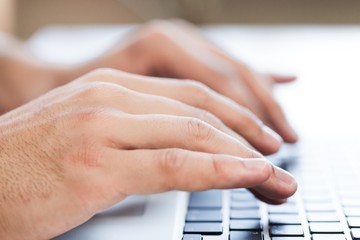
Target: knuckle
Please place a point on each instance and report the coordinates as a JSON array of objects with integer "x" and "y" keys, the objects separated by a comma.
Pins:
[
  {"x": 104, "y": 75},
  {"x": 247, "y": 118},
  {"x": 265, "y": 173},
  {"x": 170, "y": 160},
  {"x": 156, "y": 24},
  {"x": 209, "y": 118},
  {"x": 251, "y": 116},
  {"x": 221, "y": 166},
  {"x": 255, "y": 131},
  {"x": 200, "y": 130},
  {"x": 96, "y": 91},
  {"x": 100, "y": 73},
  {"x": 89, "y": 120},
  {"x": 255, "y": 154},
  {"x": 250, "y": 121},
  {"x": 88, "y": 115},
  {"x": 156, "y": 30},
  {"x": 88, "y": 153},
  {"x": 200, "y": 93},
  {"x": 218, "y": 167}
]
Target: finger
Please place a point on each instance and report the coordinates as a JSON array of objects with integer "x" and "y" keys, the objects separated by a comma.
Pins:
[
  {"x": 236, "y": 117},
  {"x": 277, "y": 188},
  {"x": 268, "y": 106},
  {"x": 267, "y": 199},
  {"x": 206, "y": 59},
  {"x": 154, "y": 131},
  {"x": 152, "y": 171},
  {"x": 272, "y": 109},
  {"x": 129, "y": 101},
  {"x": 277, "y": 78},
  {"x": 271, "y": 79},
  {"x": 198, "y": 95}
]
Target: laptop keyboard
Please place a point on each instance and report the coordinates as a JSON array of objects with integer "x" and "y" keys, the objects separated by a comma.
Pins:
[{"x": 325, "y": 207}]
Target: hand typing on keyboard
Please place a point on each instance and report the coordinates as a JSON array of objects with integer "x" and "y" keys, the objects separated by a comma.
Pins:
[
  {"x": 167, "y": 49},
  {"x": 87, "y": 145},
  {"x": 84, "y": 146}
]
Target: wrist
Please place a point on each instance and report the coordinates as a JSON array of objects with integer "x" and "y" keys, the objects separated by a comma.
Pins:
[{"x": 133, "y": 57}]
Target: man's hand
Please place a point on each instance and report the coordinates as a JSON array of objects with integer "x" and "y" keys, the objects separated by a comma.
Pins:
[
  {"x": 165, "y": 49},
  {"x": 177, "y": 49},
  {"x": 87, "y": 145}
]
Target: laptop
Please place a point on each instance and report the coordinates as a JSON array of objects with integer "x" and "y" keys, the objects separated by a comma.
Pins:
[{"x": 323, "y": 106}]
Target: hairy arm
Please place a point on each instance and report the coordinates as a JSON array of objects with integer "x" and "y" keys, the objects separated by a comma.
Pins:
[
  {"x": 22, "y": 76},
  {"x": 7, "y": 8},
  {"x": 87, "y": 145}
]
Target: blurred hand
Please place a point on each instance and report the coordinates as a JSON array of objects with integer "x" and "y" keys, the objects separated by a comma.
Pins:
[
  {"x": 177, "y": 49},
  {"x": 87, "y": 145},
  {"x": 165, "y": 49},
  {"x": 22, "y": 76}
]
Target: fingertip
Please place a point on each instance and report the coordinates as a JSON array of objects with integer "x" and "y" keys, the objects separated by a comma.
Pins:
[
  {"x": 290, "y": 136},
  {"x": 285, "y": 130},
  {"x": 271, "y": 141},
  {"x": 288, "y": 182},
  {"x": 280, "y": 186},
  {"x": 283, "y": 78},
  {"x": 268, "y": 200}
]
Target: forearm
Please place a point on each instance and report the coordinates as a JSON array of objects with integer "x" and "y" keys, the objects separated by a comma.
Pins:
[
  {"x": 129, "y": 56},
  {"x": 7, "y": 14},
  {"x": 23, "y": 76}
]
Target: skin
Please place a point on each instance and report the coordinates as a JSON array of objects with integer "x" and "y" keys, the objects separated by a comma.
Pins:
[
  {"x": 160, "y": 48},
  {"x": 87, "y": 145}
]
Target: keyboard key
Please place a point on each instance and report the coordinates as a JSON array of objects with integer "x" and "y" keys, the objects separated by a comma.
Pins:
[
  {"x": 313, "y": 189},
  {"x": 354, "y": 221},
  {"x": 287, "y": 238},
  {"x": 244, "y": 204},
  {"x": 286, "y": 230},
  {"x": 203, "y": 228},
  {"x": 206, "y": 199},
  {"x": 328, "y": 237},
  {"x": 349, "y": 193},
  {"x": 325, "y": 227},
  {"x": 322, "y": 217},
  {"x": 320, "y": 207},
  {"x": 291, "y": 200},
  {"x": 352, "y": 211},
  {"x": 245, "y": 235},
  {"x": 204, "y": 216},
  {"x": 244, "y": 214},
  {"x": 192, "y": 237},
  {"x": 355, "y": 233},
  {"x": 317, "y": 198},
  {"x": 243, "y": 197},
  {"x": 350, "y": 202},
  {"x": 240, "y": 190},
  {"x": 285, "y": 209},
  {"x": 245, "y": 225},
  {"x": 279, "y": 219}
]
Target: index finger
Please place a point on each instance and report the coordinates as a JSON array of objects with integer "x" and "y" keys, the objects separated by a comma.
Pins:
[
  {"x": 272, "y": 108},
  {"x": 153, "y": 171},
  {"x": 200, "y": 96}
]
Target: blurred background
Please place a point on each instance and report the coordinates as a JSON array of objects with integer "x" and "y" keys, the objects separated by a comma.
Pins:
[{"x": 23, "y": 17}]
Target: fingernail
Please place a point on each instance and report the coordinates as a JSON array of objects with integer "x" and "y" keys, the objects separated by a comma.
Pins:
[
  {"x": 294, "y": 134},
  {"x": 271, "y": 135},
  {"x": 291, "y": 135},
  {"x": 255, "y": 164},
  {"x": 272, "y": 141},
  {"x": 284, "y": 176}
]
